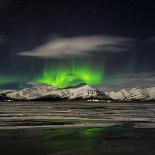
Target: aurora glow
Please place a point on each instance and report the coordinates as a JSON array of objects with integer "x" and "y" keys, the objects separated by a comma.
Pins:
[
  {"x": 6, "y": 79},
  {"x": 9, "y": 79},
  {"x": 70, "y": 76}
]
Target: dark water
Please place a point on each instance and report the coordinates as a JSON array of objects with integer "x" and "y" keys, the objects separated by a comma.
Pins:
[{"x": 119, "y": 140}]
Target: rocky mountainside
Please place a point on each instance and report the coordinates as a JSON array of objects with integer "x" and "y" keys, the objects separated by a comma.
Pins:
[{"x": 82, "y": 92}]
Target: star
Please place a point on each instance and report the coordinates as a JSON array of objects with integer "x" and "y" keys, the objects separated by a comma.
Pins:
[
  {"x": 94, "y": 11},
  {"x": 54, "y": 10},
  {"x": 19, "y": 2},
  {"x": 66, "y": 9},
  {"x": 4, "y": 33},
  {"x": 78, "y": 17},
  {"x": 5, "y": 63}
]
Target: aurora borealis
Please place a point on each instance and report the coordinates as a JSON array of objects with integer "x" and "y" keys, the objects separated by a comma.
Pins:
[
  {"x": 71, "y": 76},
  {"x": 74, "y": 65},
  {"x": 61, "y": 75},
  {"x": 111, "y": 41},
  {"x": 5, "y": 80}
]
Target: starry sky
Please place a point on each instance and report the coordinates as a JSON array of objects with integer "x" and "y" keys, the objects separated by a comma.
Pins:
[{"x": 115, "y": 36}]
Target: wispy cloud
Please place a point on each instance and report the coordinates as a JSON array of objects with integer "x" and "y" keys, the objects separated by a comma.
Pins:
[
  {"x": 139, "y": 80},
  {"x": 78, "y": 46}
]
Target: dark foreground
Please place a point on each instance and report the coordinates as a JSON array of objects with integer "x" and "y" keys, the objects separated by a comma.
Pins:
[{"x": 44, "y": 128}]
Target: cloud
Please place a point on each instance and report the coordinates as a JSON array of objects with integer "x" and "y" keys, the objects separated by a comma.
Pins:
[
  {"x": 148, "y": 41},
  {"x": 136, "y": 80},
  {"x": 77, "y": 46}
]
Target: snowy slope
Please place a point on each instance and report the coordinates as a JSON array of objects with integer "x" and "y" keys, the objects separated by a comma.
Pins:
[{"x": 79, "y": 92}]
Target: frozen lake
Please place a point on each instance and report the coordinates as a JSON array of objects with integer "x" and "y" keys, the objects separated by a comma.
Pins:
[{"x": 73, "y": 128}]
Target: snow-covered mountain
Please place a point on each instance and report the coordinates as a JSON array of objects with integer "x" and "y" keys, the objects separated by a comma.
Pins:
[
  {"x": 36, "y": 93},
  {"x": 132, "y": 94},
  {"x": 53, "y": 93},
  {"x": 83, "y": 92}
]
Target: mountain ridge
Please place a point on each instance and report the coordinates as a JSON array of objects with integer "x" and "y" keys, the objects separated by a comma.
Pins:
[{"x": 80, "y": 92}]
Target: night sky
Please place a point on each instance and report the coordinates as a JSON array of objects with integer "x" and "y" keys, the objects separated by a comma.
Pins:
[{"x": 114, "y": 36}]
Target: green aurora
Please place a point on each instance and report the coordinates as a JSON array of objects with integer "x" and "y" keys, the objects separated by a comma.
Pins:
[
  {"x": 71, "y": 76},
  {"x": 62, "y": 77},
  {"x": 8, "y": 79},
  {"x": 5, "y": 80}
]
